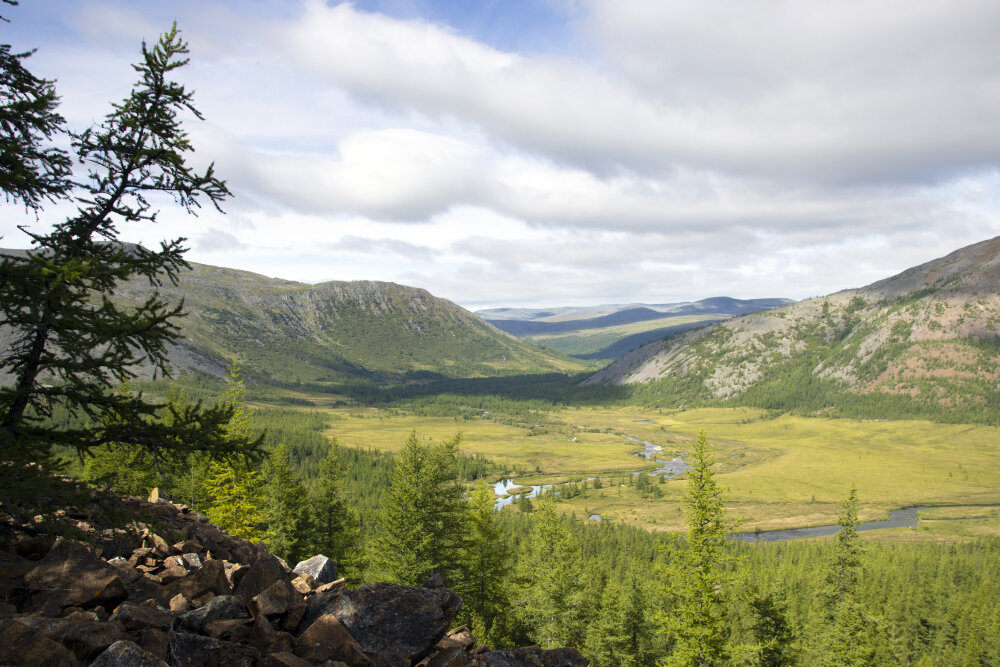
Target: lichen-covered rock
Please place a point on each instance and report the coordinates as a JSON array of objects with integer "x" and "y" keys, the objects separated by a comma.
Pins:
[
  {"x": 404, "y": 621},
  {"x": 223, "y": 607},
  {"x": 264, "y": 572},
  {"x": 85, "y": 636},
  {"x": 189, "y": 650},
  {"x": 328, "y": 639},
  {"x": 127, "y": 654},
  {"x": 70, "y": 575},
  {"x": 134, "y": 616},
  {"x": 321, "y": 568},
  {"x": 21, "y": 645}
]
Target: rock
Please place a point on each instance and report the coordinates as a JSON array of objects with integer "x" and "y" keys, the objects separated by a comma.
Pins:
[
  {"x": 126, "y": 572},
  {"x": 533, "y": 656},
  {"x": 210, "y": 578},
  {"x": 286, "y": 659},
  {"x": 327, "y": 639},
  {"x": 233, "y": 629},
  {"x": 179, "y": 603},
  {"x": 454, "y": 657},
  {"x": 134, "y": 616},
  {"x": 152, "y": 640},
  {"x": 401, "y": 620},
  {"x": 332, "y": 586},
  {"x": 20, "y": 645},
  {"x": 304, "y": 583},
  {"x": 71, "y": 575},
  {"x": 223, "y": 607},
  {"x": 192, "y": 560},
  {"x": 124, "y": 653},
  {"x": 188, "y": 650},
  {"x": 461, "y": 637},
  {"x": 265, "y": 571},
  {"x": 172, "y": 574},
  {"x": 82, "y": 634},
  {"x": 563, "y": 657},
  {"x": 159, "y": 545},
  {"x": 434, "y": 581},
  {"x": 276, "y": 599},
  {"x": 154, "y": 495},
  {"x": 319, "y": 567}
]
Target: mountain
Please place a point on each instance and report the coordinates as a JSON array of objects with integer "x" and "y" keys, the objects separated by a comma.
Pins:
[
  {"x": 611, "y": 330},
  {"x": 922, "y": 342},
  {"x": 333, "y": 331}
]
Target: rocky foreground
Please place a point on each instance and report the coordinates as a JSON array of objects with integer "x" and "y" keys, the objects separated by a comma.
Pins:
[{"x": 175, "y": 590}]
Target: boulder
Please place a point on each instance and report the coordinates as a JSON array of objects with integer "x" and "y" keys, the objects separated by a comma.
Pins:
[
  {"x": 276, "y": 599},
  {"x": 400, "y": 620},
  {"x": 124, "y": 653},
  {"x": 82, "y": 634},
  {"x": 327, "y": 639},
  {"x": 134, "y": 616},
  {"x": 188, "y": 650},
  {"x": 286, "y": 659},
  {"x": 223, "y": 607},
  {"x": 319, "y": 567},
  {"x": 209, "y": 578},
  {"x": 70, "y": 575},
  {"x": 20, "y": 645},
  {"x": 533, "y": 656},
  {"x": 265, "y": 571}
]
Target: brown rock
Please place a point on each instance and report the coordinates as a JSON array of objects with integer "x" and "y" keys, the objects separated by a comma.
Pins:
[
  {"x": 159, "y": 545},
  {"x": 210, "y": 578},
  {"x": 264, "y": 572},
  {"x": 70, "y": 575},
  {"x": 154, "y": 495},
  {"x": 461, "y": 637},
  {"x": 82, "y": 634},
  {"x": 454, "y": 657},
  {"x": 172, "y": 574},
  {"x": 328, "y": 639},
  {"x": 188, "y": 650},
  {"x": 276, "y": 599},
  {"x": 153, "y": 640},
  {"x": 134, "y": 616},
  {"x": 20, "y": 645},
  {"x": 533, "y": 656},
  {"x": 127, "y": 654},
  {"x": 179, "y": 603},
  {"x": 221, "y": 608},
  {"x": 337, "y": 585},
  {"x": 126, "y": 572},
  {"x": 304, "y": 583},
  {"x": 401, "y": 620},
  {"x": 234, "y": 629},
  {"x": 279, "y": 642},
  {"x": 286, "y": 659}
]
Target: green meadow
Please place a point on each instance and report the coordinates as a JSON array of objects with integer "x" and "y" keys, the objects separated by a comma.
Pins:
[
  {"x": 587, "y": 341},
  {"x": 783, "y": 472}
]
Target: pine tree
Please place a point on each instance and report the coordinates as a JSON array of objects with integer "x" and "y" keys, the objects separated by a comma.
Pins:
[
  {"x": 70, "y": 343},
  {"x": 288, "y": 512},
  {"x": 421, "y": 520},
  {"x": 335, "y": 523},
  {"x": 700, "y": 577},
  {"x": 486, "y": 564}
]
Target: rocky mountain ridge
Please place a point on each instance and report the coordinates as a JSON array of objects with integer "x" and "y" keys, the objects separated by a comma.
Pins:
[
  {"x": 929, "y": 334},
  {"x": 178, "y": 591}
]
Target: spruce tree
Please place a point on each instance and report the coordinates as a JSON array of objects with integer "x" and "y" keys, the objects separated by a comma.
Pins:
[
  {"x": 700, "y": 577},
  {"x": 71, "y": 343},
  {"x": 288, "y": 512},
  {"x": 486, "y": 564},
  {"x": 335, "y": 524},
  {"x": 421, "y": 520}
]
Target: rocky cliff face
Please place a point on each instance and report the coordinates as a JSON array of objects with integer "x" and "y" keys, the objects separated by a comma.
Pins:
[
  {"x": 930, "y": 333},
  {"x": 173, "y": 589}
]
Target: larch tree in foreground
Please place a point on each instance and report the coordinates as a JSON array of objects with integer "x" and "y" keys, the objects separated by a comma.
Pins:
[{"x": 71, "y": 343}]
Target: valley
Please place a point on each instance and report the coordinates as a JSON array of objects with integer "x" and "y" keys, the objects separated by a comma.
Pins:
[{"x": 780, "y": 472}]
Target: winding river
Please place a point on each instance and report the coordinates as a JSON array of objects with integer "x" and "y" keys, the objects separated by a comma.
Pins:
[{"x": 650, "y": 451}]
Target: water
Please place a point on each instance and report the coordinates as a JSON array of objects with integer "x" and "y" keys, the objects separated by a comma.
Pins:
[
  {"x": 668, "y": 468},
  {"x": 901, "y": 518}
]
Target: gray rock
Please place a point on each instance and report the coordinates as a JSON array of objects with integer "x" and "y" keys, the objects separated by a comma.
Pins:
[
  {"x": 319, "y": 567},
  {"x": 124, "y": 653},
  {"x": 219, "y": 608},
  {"x": 401, "y": 620},
  {"x": 70, "y": 575},
  {"x": 259, "y": 576},
  {"x": 187, "y": 650}
]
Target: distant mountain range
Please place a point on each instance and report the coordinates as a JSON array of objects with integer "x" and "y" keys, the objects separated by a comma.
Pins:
[
  {"x": 925, "y": 339},
  {"x": 611, "y": 330}
]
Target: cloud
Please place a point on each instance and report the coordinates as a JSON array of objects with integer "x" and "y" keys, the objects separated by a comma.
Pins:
[{"x": 216, "y": 240}]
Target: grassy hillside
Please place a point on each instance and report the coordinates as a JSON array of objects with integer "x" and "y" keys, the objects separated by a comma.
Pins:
[
  {"x": 293, "y": 332},
  {"x": 611, "y": 342},
  {"x": 921, "y": 344}
]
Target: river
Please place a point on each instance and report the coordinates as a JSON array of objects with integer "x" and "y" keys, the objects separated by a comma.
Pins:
[{"x": 650, "y": 451}]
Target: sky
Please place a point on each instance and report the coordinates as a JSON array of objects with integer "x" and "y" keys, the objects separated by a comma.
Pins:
[{"x": 560, "y": 152}]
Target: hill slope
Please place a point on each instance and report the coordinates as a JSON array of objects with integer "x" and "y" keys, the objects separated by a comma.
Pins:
[
  {"x": 335, "y": 330},
  {"x": 921, "y": 342}
]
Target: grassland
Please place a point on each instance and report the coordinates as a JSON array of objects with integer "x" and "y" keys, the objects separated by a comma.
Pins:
[{"x": 783, "y": 472}]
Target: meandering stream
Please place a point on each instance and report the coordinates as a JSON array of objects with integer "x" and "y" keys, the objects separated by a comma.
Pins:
[{"x": 650, "y": 451}]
